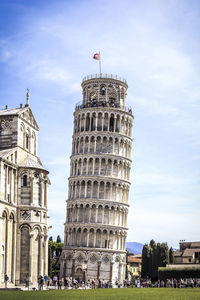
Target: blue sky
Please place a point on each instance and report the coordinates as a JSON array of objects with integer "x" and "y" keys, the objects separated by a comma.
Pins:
[{"x": 48, "y": 47}]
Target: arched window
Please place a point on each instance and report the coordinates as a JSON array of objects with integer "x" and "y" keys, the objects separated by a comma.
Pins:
[
  {"x": 111, "y": 125},
  {"x": 25, "y": 180},
  {"x": 27, "y": 139},
  {"x": 102, "y": 90},
  {"x": 34, "y": 143}
]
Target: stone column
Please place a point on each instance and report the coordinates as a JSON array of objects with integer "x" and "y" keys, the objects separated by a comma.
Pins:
[
  {"x": 78, "y": 214},
  {"x": 6, "y": 181},
  {"x": 120, "y": 124},
  {"x": 95, "y": 236},
  {"x": 96, "y": 216},
  {"x": 14, "y": 251},
  {"x": 41, "y": 255},
  {"x": 112, "y": 163},
  {"x": 124, "y": 270},
  {"x": 103, "y": 215},
  {"x": 7, "y": 245},
  {"x": 85, "y": 193},
  {"x": 114, "y": 125},
  {"x": 104, "y": 191},
  {"x": 99, "y": 173},
  {"x": 45, "y": 193},
  {"x": 113, "y": 148},
  {"x": 111, "y": 271},
  {"x": 102, "y": 122},
  {"x": 98, "y": 270},
  {"x": 82, "y": 162},
  {"x": 10, "y": 180},
  {"x": 31, "y": 258},
  {"x": 95, "y": 144},
  {"x": 92, "y": 189},
  {"x": 41, "y": 193},
  {"x": 108, "y": 240},
  {"x": 96, "y": 120},
  {"x": 109, "y": 216},
  {"x": 90, "y": 212},
  {"x": 119, "y": 273},
  {"x": 87, "y": 243},
  {"x": 89, "y": 144},
  {"x": 98, "y": 186},
  {"x": 93, "y": 166},
  {"x": 15, "y": 187},
  {"x": 31, "y": 184},
  {"x": 46, "y": 254}
]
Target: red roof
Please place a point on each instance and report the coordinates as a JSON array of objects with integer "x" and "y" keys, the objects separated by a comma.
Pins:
[{"x": 133, "y": 259}]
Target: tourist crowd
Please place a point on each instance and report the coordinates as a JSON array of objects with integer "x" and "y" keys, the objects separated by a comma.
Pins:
[
  {"x": 169, "y": 283},
  {"x": 72, "y": 283}
]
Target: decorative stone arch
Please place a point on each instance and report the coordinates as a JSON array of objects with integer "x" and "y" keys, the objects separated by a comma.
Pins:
[
  {"x": 28, "y": 139},
  {"x": 12, "y": 215},
  {"x": 78, "y": 253},
  {"x": 91, "y": 254}
]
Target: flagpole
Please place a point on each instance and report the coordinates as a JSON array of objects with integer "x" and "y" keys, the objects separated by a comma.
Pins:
[{"x": 99, "y": 63}]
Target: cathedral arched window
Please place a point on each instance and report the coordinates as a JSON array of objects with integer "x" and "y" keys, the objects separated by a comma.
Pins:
[
  {"x": 34, "y": 143},
  {"x": 27, "y": 141},
  {"x": 24, "y": 180}
]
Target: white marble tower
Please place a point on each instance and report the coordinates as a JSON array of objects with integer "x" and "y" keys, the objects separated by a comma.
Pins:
[{"x": 99, "y": 182}]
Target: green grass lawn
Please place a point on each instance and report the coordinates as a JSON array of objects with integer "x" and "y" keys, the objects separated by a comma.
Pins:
[{"x": 123, "y": 294}]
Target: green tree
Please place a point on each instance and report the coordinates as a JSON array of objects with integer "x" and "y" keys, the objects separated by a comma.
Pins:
[
  {"x": 171, "y": 255},
  {"x": 158, "y": 254},
  {"x": 55, "y": 250},
  {"x": 154, "y": 272},
  {"x": 50, "y": 257},
  {"x": 164, "y": 255},
  {"x": 145, "y": 260},
  {"x": 58, "y": 240}
]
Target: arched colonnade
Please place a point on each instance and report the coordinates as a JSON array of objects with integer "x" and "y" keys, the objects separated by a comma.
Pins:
[
  {"x": 99, "y": 166},
  {"x": 97, "y": 214},
  {"x": 102, "y": 190},
  {"x": 96, "y": 238},
  {"x": 103, "y": 121},
  {"x": 101, "y": 144}
]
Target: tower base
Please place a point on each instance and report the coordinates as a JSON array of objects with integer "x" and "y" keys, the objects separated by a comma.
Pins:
[{"x": 93, "y": 264}]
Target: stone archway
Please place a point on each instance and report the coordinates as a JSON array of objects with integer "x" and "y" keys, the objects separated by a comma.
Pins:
[{"x": 79, "y": 274}]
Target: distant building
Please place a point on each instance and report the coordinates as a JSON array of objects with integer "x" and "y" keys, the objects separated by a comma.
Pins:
[
  {"x": 134, "y": 264},
  {"x": 23, "y": 198},
  {"x": 189, "y": 253}
]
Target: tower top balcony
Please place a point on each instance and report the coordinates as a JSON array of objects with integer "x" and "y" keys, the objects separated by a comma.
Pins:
[
  {"x": 104, "y": 76},
  {"x": 104, "y": 90}
]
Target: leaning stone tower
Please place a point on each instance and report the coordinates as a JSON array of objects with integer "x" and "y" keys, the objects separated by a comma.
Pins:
[{"x": 99, "y": 182}]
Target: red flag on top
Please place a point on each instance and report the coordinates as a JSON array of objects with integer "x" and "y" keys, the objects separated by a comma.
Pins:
[{"x": 96, "y": 56}]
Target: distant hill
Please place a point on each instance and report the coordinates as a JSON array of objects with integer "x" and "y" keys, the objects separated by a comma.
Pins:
[{"x": 134, "y": 247}]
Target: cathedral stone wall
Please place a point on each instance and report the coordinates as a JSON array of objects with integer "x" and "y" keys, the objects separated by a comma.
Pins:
[
  {"x": 23, "y": 199},
  {"x": 99, "y": 183}
]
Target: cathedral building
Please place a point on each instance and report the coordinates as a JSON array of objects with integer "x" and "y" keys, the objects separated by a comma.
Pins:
[
  {"x": 97, "y": 206},
  {"x": 23, "y": 198}
]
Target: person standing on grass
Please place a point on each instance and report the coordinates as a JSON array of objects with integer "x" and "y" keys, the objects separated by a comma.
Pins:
[
  {"x": 27, "y": 282},
  {"x": 6, "y": 281}
]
